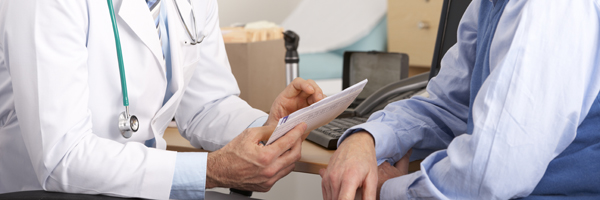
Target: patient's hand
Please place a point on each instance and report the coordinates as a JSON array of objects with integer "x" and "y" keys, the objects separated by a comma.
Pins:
[
  {"x": 353, "y": 166},
  {"x": 385, "y": 171}
]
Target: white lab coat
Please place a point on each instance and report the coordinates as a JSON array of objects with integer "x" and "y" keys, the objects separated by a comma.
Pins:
[{"x": 60, "y": 95}]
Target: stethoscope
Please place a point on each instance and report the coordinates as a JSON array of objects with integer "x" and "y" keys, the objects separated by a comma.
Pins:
[{"x": 129, "y": 123}]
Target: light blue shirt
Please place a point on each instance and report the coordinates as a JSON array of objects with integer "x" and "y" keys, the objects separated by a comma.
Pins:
[
  {"x": 189, "y": 178},
  {"x": 543, "y": 79}
]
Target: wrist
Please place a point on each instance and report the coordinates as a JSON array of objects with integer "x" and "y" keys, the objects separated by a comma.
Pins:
[
  {"x": 362, "y": 137},
  {"x": 212, "y": 170}
]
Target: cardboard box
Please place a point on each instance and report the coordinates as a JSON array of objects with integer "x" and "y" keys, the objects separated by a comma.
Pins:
[{"x": 259, "y": 68}]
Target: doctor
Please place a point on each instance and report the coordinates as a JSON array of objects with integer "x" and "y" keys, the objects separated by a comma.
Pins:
[{"x": 60, "y": 99}]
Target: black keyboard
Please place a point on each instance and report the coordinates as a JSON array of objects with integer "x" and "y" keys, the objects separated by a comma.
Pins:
[{"x": 328, "y": 135}]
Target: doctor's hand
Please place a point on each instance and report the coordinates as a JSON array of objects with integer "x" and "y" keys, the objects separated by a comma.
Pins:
[
  {"x": 247, "y": 165},
  {"x": 297, "y": 95},
  {"x": 353, "y": 166}
]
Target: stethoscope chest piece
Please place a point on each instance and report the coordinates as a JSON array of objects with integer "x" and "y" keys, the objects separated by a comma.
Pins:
[{"x": 128, "y": 124}]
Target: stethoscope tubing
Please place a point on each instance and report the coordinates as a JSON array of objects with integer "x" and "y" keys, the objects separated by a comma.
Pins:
[
  {"x": 119, "y": 54},
  {"x": 129, "y": 123}
]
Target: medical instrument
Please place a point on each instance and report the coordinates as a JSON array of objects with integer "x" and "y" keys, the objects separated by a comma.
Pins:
[
  {"x": 127, "y": 123},
  {"x": 291, "y": 56},
  {"x": 193, "y": 37}
]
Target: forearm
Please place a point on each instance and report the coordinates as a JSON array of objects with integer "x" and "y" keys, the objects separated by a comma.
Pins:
[{"x": 218, "y": 123}]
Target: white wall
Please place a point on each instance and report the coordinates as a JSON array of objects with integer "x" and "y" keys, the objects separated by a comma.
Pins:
[{"x": 244, "y": 11}]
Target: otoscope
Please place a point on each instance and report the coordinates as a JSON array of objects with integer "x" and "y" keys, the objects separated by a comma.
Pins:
[{"x": 291, "y": 56}]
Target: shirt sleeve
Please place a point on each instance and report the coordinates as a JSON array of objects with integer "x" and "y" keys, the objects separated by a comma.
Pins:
[
  {"x": 526, "y": 112},
  {"x": 439, "y": 118}
]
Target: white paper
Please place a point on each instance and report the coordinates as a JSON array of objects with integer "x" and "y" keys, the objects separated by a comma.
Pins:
[{"x": 319, "y": 113}]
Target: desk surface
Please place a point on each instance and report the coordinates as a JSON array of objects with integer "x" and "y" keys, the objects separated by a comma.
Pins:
[{"x": 313, "y": 158}]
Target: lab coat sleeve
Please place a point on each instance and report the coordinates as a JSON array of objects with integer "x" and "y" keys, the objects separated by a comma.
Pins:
[
  {"x": 211, "y": 114},
  {"x": 49, "y": 72}
]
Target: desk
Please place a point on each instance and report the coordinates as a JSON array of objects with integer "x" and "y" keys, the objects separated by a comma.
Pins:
[{"x": 313, "y": 158}]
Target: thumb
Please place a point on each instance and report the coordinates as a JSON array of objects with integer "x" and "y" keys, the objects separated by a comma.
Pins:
[{"x": 261, "y": 133}]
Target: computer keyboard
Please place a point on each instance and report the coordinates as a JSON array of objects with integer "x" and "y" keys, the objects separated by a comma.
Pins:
[{"x": 328, "y": 135}]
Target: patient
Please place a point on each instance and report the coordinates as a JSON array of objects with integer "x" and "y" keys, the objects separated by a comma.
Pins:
[{"x": 513, "y": 113}]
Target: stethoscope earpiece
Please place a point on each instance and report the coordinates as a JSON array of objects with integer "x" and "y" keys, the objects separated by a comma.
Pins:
[{"x": 128, "y": 124}]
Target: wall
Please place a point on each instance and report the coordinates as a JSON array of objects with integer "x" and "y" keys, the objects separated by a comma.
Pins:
[{"x": 244, "y": 11}]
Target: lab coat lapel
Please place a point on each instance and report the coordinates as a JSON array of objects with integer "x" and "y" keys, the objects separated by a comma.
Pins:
[
  {"x": 180, "y": 74},
  {"x": 137, "y": 16}
]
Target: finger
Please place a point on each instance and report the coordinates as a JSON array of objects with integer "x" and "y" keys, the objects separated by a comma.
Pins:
[
  {"x": 382, "y": 169},
  {"x": 261, "y": 133},
  {"x": 369, "y": 191},
  {"x": 288, "y": 140},
  {"x": 324, "y": 183},
  {"x": 282, "y": 173},
  {"x": 322, "y": 172},
  {"x": 403, "y": 163},
  {"x": 324, "y": 191},
  {"x": 297, "y": 86},
  {"x": 347, "y": 189},
  {"x": 318, "y": 94},
  {"x": 288, "y": 157}
]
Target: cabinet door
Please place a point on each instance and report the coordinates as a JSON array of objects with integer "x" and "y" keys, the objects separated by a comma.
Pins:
[{"x": 412, "y": 29}]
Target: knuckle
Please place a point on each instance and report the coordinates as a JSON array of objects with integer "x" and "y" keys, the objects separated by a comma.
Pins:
[
  {"x": 334, "y": 176},
  {"x": 269, "y": 172},
  {"x": 297, "y": 156},
  {"x": 264, "y": 159}
]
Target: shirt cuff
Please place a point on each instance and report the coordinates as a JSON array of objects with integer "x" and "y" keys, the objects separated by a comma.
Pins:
[
  {"x": 386, "y": 142},
  {"x": 189, "y": 179},
  {"x": 259, "y": 122}
]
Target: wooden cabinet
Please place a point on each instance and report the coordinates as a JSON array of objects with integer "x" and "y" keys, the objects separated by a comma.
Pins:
[{"x": 412, "y": 29}]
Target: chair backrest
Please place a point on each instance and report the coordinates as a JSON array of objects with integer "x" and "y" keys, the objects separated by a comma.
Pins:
[{"x": 452, "y": 12}]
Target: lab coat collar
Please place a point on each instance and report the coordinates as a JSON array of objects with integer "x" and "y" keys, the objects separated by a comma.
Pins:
[{"x": 137, "y": 16}]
